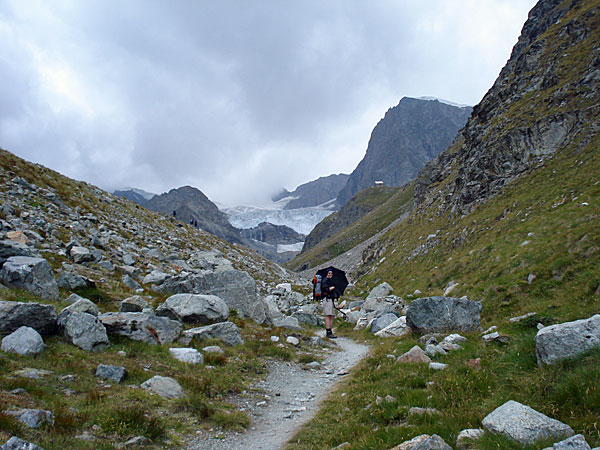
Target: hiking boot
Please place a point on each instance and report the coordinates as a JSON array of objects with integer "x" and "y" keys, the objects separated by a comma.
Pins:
[{"x": 330, "y": 335}]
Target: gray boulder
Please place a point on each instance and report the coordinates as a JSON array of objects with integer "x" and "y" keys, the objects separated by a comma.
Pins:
[
  {"x": 576, "y": 442},
  {"x": 133, "y": 304},
  {"x": 436, "y": 314},
  {"x": 15, "y": 443},
  {"x": 433, "y": 442},
  {"x": 381, "y": 322},
  {"x": 464, "y": 440},
  {"x": 142, "y": 327},
  {"x": 227, "y": 332},
  {"x": 14, "y": 315},
  {"x": 380, "y": 291},
  {"x": 82, "y": 305},
  {"x": 114, "y": 373},
  {"x": 80, "y": 255},
  {"x": 155, "y": 277},
  {"x": 33, "y": 418},
  {"x": 128, "y": 281},
  {"x": 396, "y": 328},
  {"x": 32, "y": 274},
  {"x": 237, "y": 288},
  {"x": 567, "y": 340},
  {"x": 305, "y": 318},
  {"x": 187, "y": 355},
  {"x": 194, "y": 308},
  {"x": 71, "y": 281},
  {"x": 291, "y": 323},
  {"x": 524, "y": 424},
  {"x": 85, "y": 331},
  {"x": 166, "y": 387},
  {"x": 10, "y": 248},
  {"x": 24, "y": 341}
]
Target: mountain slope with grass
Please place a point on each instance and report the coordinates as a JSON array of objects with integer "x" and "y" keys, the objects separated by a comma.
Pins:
[
  {"x": 509, "y": 215},
  {"x": 366, "y": 214}
]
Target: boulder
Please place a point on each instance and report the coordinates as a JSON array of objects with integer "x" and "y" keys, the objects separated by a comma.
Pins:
[
  {"x": 436, "y": 314},
  {"x": 567, "y": 340},
  {"x": 424, "y": 442},
  {"x": 130, "y": 282},
  {"x": 187, "y": 355},
  {"x": 142, "y": 327},
  {"x": 71, "y": 281},
  {"x": 82, "y": 305},
  {"x": 24, "y": 341},
  {"x": 576, "y": 442},
  {"x": 464, "y": 440},
  {"x": 85, "y": 331},
  {"x": 524, "y": 424},
  {"x": 380, "y": 291},
  {"x": 388, "y": 303},
  {"x": 31, "y": 274},
  {"x": 166, "y": 387},
  {"x": 17, "y": 314},
  {"x": 133, "y": 304},
  {"x": 156, "y": 254},
  {"x": 10, "y": 248},
  {"x": 291, "y": 323},
  {"x": 114, "y": 373},
  {"x": 194, "y": 308},
  {"x": 414, "y": 355},
  {"x": 227, "y": 332},
  {"x": 236, "y": 288},
  {"x": 396, "y": 328},
  {"x": 80, "y": 255},
  {"x": 33, "y": 418},
  {"x": 15, "y": 443},
  {"x": 381, "y": 322},
  {"x": 155, "y": 277},
  {"x": 305, "y": 318}
]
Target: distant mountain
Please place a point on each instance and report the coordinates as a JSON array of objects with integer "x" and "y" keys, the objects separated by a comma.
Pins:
[
  {"x": 190, "y": 203},
  {"x": 410, "y": 135},
  {"x": 273, "y": 234},
  {"x": 314, "y": 193},
  {"x": 135, "y": 195}
]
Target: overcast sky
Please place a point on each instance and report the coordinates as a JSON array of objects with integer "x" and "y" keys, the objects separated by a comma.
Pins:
[{"x": 237, "y": 98}]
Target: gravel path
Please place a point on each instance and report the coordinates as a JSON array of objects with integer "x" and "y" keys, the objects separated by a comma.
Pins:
[{"x": 290, "y": 398}]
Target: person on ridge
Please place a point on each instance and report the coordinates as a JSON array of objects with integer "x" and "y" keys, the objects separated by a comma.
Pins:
[{"x": 331, "y": 294}]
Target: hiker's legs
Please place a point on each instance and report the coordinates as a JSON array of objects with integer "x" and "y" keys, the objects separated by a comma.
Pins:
[{"x": 328, "y": 322}]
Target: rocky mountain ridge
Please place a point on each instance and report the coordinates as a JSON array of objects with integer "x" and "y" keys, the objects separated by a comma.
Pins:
[
  {"x": 314, "y": 193},
  {"x": 545, "y": 99},
  {"x": 405, "y": 139}
]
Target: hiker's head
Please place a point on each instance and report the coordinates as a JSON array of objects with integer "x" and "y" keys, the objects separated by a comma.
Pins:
[{"x": 329, "y": 273}]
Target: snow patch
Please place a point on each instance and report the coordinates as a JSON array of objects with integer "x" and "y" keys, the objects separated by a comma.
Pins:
[
  {"x": 282, "y": 248},
  {"x": 302, "y": 220}
]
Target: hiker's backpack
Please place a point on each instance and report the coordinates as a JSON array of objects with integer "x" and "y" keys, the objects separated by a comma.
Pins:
[{"x": 317, "y": 292}]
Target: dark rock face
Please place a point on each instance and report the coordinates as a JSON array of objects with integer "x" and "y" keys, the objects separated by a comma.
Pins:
[
  {"x": 133, "y": 196},
  {"x": 191, "y": 204},
  {"x": 411, "y": 134},
  {"x": 14, "y": 315},
  {"x": 273, "y": 234},
  {"x": 536, "y": 107},
  {"x": 437, "y": 314},
  {"x": 315, "y": 192}
]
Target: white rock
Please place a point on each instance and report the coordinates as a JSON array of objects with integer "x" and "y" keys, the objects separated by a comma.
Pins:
[{"x": 188, "y": 355}]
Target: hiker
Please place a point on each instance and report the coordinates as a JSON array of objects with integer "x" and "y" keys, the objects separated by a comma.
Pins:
[{"x": 331, "y": 295}]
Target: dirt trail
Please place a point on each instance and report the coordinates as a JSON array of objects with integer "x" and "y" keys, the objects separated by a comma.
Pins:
[{"x": 291, "y": 398}]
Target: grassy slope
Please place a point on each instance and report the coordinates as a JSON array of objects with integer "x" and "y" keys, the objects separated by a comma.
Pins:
[
  {"x": 534, "y": 248},
  {"x": 384, "y": 205}
]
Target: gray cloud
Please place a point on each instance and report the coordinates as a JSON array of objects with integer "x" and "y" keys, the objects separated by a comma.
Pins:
[{"x": 237, "y": 98}]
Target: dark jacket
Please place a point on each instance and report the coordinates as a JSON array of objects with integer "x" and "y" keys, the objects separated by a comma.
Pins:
[{"x": 325, "y": 285}]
